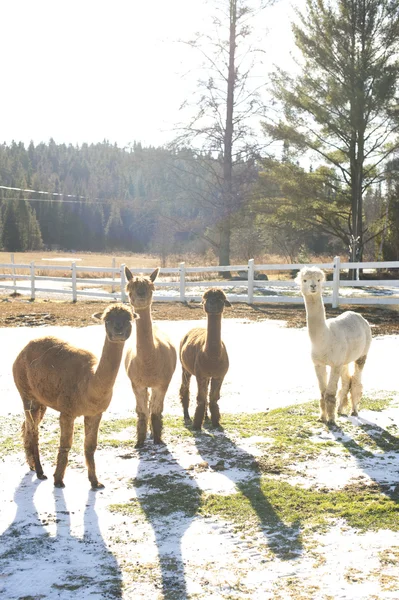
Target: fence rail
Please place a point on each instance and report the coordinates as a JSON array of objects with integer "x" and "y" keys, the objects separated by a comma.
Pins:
[{"x": 249, "y": 286}]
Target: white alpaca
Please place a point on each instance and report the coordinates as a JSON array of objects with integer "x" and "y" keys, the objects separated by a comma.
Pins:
[{"x": 335, "y": 343}]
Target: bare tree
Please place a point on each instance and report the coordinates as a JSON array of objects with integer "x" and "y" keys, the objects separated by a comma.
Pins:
[{"x": 221, "y": 131}]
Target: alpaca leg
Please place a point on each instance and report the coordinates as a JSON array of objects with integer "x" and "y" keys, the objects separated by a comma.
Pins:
[
  {"x": 214, "y": 396},
  {"x": 91, "y": 434},
  {"x": 321, "y": 373},
  {"x": 34, "y": 413},
  {"x": 142, "y": 414},
  {"x": 202, "y": 394},
  {"x": 185, "y": 394},
  {"x": 156, "y": 408},
  {"x": 357, "y": 387},
  {"x": 331, "y": 391},
  {"x": 343, "y": 391},
  {"x": 66, "y": 425}
]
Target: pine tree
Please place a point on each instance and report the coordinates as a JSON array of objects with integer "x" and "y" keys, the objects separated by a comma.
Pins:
[
  {"x": 12, "y": 239},
  {"x": 342, "y": 105}
]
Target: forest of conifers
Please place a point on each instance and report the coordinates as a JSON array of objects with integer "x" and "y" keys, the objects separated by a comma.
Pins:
[{"x": 159, "y": 200}]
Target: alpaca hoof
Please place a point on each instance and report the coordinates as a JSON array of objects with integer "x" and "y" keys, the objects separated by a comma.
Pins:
[
  {"x": 97, "y": 486},
  {"x": 354, "y": 413},
  {"x": 139, "y": 444},
  {"x": 41, "y": 476},
  {"x": 197, "y": 426},
  {"x": 159, "y": 442},
  {"x": 187, "y": 421},
  {"x": 59, "y": 484}
]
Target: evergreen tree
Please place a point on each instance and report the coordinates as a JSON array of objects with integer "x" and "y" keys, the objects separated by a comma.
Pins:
[
  {"x": 342, "y": 105},
  {"x": 12, "y": 239}
]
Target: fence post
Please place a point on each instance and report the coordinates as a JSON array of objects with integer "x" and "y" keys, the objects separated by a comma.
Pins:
[
  {"x": 123, "y": 283},
  {"x": 182, "y": 273},
  {"x": 32, "y": 280},
  {"x": 251, "y": 275},
  {"x": 113, "y": 276},
  {"x": 13, "y": 274},
  {"x": 74, "y": 290},
  {"x": 335, "y": 291}
]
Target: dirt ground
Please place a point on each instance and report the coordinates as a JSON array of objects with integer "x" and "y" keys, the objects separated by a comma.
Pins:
[{"x": 19, "y": 312}]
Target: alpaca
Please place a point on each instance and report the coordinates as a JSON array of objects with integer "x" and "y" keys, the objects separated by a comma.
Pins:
[
  {"x": 204, "y": 355},
  {"x": 335, "y": 343},
  {"x": 152, "y": 362},
  {"x": 49, "y": 372}
]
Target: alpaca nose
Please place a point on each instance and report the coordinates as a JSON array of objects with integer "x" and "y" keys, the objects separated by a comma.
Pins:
[{"x": 313, "y": 286}]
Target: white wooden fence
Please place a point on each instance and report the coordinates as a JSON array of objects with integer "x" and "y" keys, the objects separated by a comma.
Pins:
[{"x": 182, "y": 284}]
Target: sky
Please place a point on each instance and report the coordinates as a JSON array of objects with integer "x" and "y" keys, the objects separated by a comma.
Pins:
[{"x": 87, "y": 71}]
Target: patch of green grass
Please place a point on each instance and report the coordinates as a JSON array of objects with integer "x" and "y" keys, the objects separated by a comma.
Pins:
[
  {"x": 110, "y": 426},
  {"x": 273, "y": 505},
  {"x": 161, "y": 483},
  {"x": 380, "y": 438},
  {"x": 265, "y": 502},
  {"x": 288, "y": 431},
  {"x": 10, "y": 434},
  {"x": 169, "y": 497},
  {"x": 376, "y": 404}
]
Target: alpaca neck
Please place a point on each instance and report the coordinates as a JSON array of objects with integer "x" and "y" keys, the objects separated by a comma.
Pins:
[
  {"x": 144, "y": 334},
  {"x": 315, "y": 317},
  {"x": 213, "y": 343},
  {"x": 104, "y": 377}
]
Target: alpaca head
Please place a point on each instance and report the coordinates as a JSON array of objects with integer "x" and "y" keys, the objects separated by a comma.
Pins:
[
  {"x": 310, "y": 280},
  {"x": 140, "y": 288},
  {"x": 118, "y": 322},
  {"x": 214, "y": 301}
]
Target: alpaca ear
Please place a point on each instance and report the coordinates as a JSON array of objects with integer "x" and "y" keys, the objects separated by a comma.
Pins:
[
  {"x": 227, "y": 303},
  {"x": 155, "y": 274},
  {"x": 97, "y": 316},
  {"x": 128, "y": 274}
]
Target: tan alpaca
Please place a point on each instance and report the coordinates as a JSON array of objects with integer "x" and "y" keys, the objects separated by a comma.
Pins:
[
  {"x": 203, "y": 354},
  {"x": 152, "y": 362},
  {"x": 51, "y": 372}
]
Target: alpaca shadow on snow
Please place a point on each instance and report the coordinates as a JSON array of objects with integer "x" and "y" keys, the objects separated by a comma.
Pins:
[
  {"x": 383, "y": 467},
  {"x": 168, "y": 491},
  {"x": 36, "y": 562},
  {"x": 282, "y": 539}
]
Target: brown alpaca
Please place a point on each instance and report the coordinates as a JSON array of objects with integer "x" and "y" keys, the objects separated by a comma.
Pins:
[
  {"x": 152, "y": 362},
  {"x": 51, "y": 372},
  {"x": 203, "y": 354}
]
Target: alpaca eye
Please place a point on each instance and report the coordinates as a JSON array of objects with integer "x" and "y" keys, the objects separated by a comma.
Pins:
[{"x": 305, "y": 280}]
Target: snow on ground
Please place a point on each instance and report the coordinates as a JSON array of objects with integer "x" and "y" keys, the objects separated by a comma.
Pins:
[
  {"x": 63, "y": 289},
  {"x": 64, "y": 544},
  {"x": 270, "y": 365}
]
